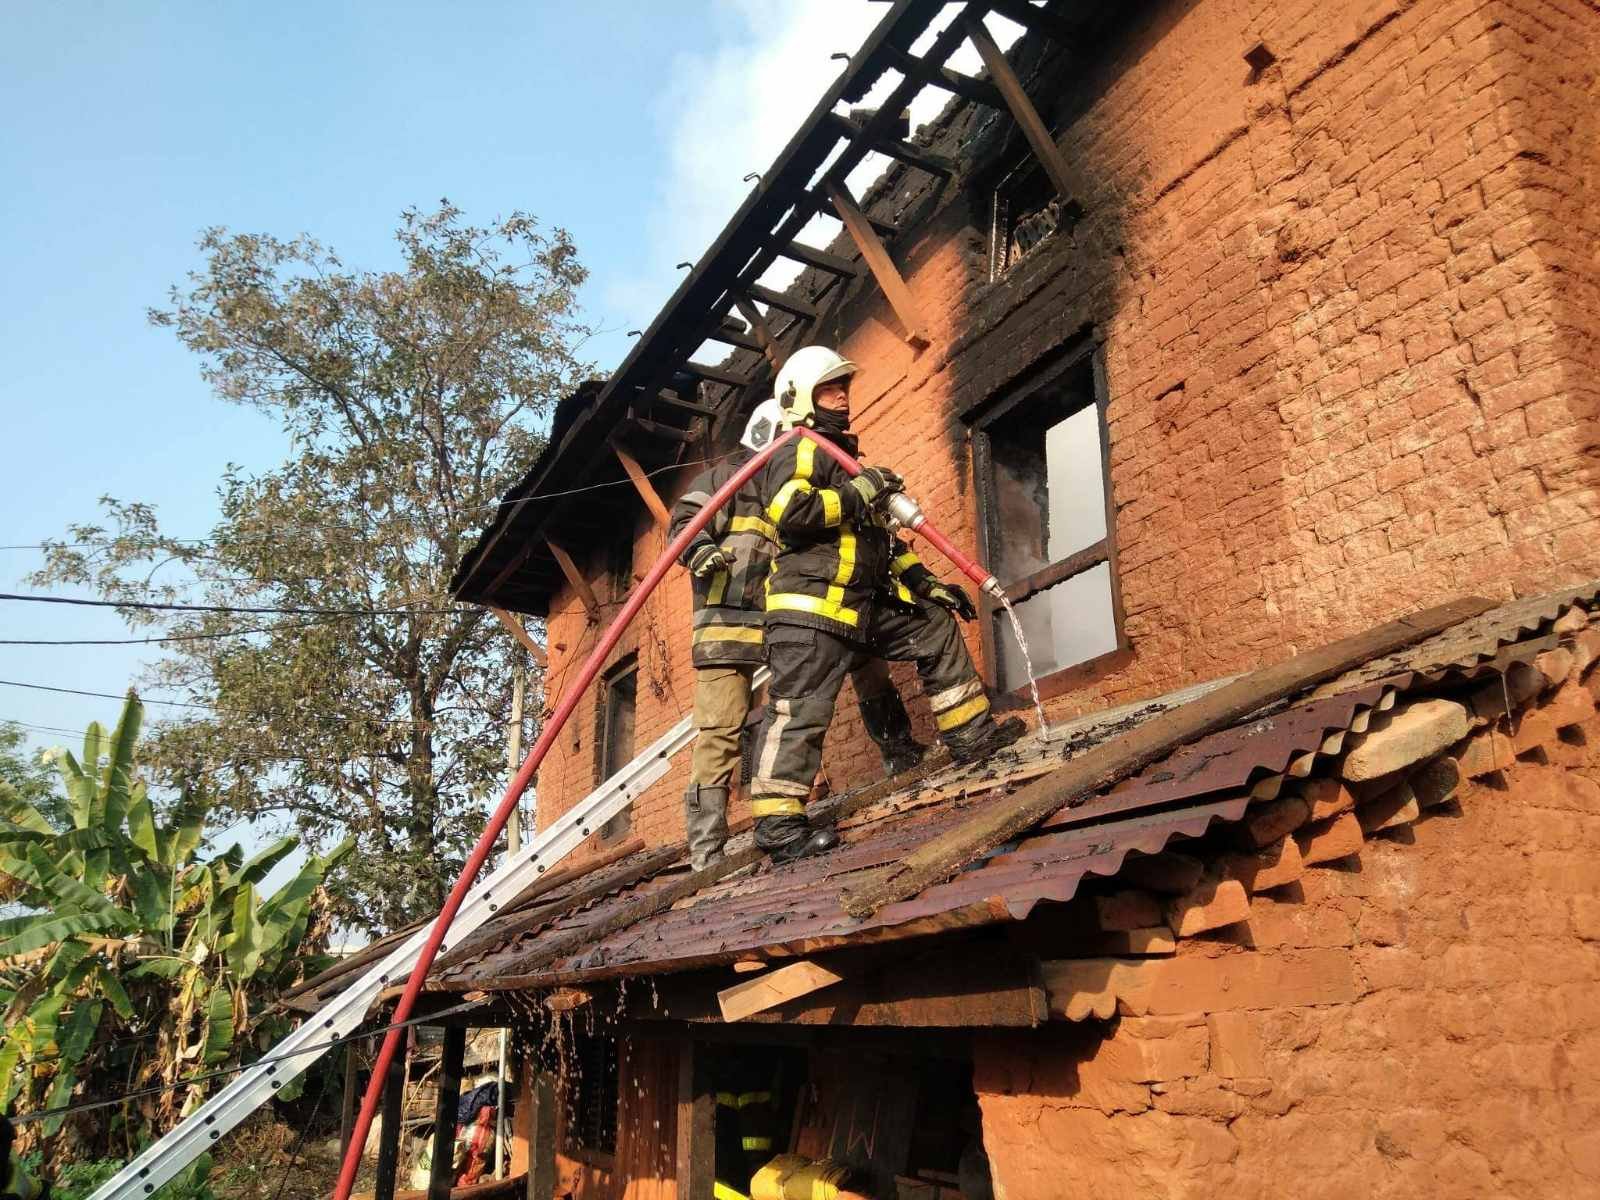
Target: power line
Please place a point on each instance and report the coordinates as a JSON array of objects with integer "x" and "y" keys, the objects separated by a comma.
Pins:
[
  {"x": 231, "y": 608},
  {"x": 171, "y": 637}
]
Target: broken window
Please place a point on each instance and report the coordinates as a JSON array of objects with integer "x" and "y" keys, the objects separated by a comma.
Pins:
[
  {"x": 591, "y": 1096},
  {"x": 1025, "y": 209},
  {"x": 619, "y": 566},
  {"x": 619, "y": 693},
  {"x": 1045, "y": 502}
]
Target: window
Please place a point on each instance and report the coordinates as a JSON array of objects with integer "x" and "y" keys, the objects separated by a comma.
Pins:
[
  {"x": 591, "y": 1096},
  {"x": 1025, "y": 210},
  {"x": 619, "y": 566},
  {"x": 614, "y": 747},
  {"x": 1045, "y": 504}
]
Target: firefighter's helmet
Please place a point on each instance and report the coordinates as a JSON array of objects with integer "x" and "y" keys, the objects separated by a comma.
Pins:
[
  {"x": 804, "y": 370},
  {"x": 762, "y": 426}
]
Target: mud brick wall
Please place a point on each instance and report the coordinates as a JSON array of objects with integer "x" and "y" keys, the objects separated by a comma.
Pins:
[
  {"x": 1350, "y": 310},
  {"x": 1419, "y": 1020}
]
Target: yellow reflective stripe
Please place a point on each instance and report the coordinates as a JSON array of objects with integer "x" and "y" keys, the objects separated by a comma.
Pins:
[
  {"x": 777, "y": 806},
  {"x": 786, "y": 493},
  {"x": 757, "y": 1143},
  {"x": 805, "y": 458},
  {"x": 727, "y": 1100},
  {"x": 755, "y": 1098},
  {"x": 721, "y": 1191},
  {"x": 832, "y": 508},
  {"x": 847, "y": 566},
  {"x": 753, "y": 525},
  {"x": 961, "y": 714},
  {"x": 901, "y": 562},
  {"x": 902, "y": 592},
  {"x": 728, "y": 633},
  {"x": 816, "y": 605},
  {"x": 719, "y": 589}
]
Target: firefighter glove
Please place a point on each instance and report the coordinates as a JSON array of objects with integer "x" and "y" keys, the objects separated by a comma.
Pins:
[
  {"x": 707, "y": 559},
  {"x": 954, "y": 597},
  {"x": 876, "y": 484}
]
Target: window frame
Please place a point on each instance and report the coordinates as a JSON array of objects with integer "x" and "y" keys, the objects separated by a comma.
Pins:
[
  {"x": 603, "y": 1052},
  {"x": 625, "y": 667},
  {"x": 1089, "y": 352}
]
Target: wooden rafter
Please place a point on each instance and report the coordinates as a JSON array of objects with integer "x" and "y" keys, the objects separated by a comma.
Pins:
[
  {"x": 580, "y": 585},
  {"x": 979, "y": 91},
  {"x": 1043, "y": 20},
  {"x": 906, "y": 152},
  {"x": 823, "y": 203},
  {"x": 717, "y": 374},
  {"x": 520, "y": 631},
  {"x": 1022, "y": 109},
  {"x": 758, "y": 326},
  {"x": 846, "y": 268},
  {"x": 882, "y": 266},
  {"x": 789, "y": 304},
  {"x": 734, "y": 337},
  {"x": 642, "y": 485}
]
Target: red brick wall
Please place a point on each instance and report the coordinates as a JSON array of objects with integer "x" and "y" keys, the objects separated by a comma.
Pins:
[
  {"x": 1350, "y": 310},
  {"x": 1427, "y": 1027}
]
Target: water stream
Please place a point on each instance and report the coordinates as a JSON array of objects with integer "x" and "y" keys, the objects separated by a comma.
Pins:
[{"x": 1027, "y": 665}]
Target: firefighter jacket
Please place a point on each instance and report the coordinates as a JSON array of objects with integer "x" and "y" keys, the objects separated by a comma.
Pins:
[
  {"x": 836, "y": 559},
  {"x": 728, "y": 619}
]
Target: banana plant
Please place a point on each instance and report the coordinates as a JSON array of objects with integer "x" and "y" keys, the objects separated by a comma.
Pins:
[{"x": 137, "y": 959}]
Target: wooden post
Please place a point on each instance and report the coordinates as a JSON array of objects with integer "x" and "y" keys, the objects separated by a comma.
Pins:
[
  {"x": 697, "y": 1134},
  {"x": 525, "y": 639},
  {"x": 878, "y": 261},
  {"x": 642, "y": 485},
  {"x": 1022, "y": 110},
  {"x": 394, "y": 1099},
  {"x": 352, "y": 1097},
  {"x": 542, "y": 1136},
  {"x": 591, "y": 605},
  {"x": 442, "y": 1171},
  {"x": 758, "y": 326}
]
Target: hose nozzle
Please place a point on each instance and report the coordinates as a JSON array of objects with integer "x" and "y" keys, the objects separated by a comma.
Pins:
[
  {"x": 905, "y": 511},
  {"x": 992, "y": 586}
]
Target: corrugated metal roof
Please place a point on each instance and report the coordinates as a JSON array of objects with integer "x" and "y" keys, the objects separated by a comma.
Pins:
[{"x": 796, "y": 908}]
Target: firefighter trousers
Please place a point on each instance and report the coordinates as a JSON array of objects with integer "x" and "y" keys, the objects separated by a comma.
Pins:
[{"x": 808, "y": 669}]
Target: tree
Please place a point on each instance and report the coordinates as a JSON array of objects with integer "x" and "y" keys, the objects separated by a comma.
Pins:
[
  {"x": 138, "y": 962},
  {"x": 411, "y": 399},
  {"x": 30, "y": 779}
]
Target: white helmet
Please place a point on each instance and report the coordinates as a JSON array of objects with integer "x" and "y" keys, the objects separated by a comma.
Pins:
[
  {"x": 801, "y": 373},
  {"x": 763, "y": 425}
]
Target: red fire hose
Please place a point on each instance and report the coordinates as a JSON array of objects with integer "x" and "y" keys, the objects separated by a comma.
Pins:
[{"x": 902, "y": 507}]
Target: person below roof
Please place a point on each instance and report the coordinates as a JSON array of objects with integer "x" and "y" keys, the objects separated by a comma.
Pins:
[
  {"x": 728, "y": 566},
  {"x": 843, "y": 586}
]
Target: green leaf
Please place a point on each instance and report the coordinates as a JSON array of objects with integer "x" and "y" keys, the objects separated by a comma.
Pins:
[
  {"x": 66, "y": 892},
  {"x": 219, "y": 1024},
  {"x": 119, "y": 775},
  {"x": 11, "y": 1077},
  {"x": 59, "y": 1095},
  {"x": 159, "y": 968},
  {"x": 95, "y": 744},
  {"x": 41, "y": 1020},
  {"x": 80, "y": 1029},
  {"x": 142, "y": 824},
  {"x": 151, "y": 899},
  {"x": 287, "y": 907},
  {"x": 255, "y": 870},
  {"x": 111, "y": 988},
  {"x": 26, "y": 816},
  {"x": 246, "y": 937},
  {"x": 49, "y": 929},
  {"x": 187, "y": 830},
  {"x": 69, "y": 955}
]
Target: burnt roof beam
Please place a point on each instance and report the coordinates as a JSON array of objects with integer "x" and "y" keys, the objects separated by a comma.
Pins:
[
  {"x": 978, "y": 91},
  {"x": 718, "y": 375},
  {"x": 913, "y": 155},
  {"x": 1027, "y": 117},
  {"x": 1042, "y": 20},
  {"x": 847, "y": 268},
  {"x": 734, "y": 337}
]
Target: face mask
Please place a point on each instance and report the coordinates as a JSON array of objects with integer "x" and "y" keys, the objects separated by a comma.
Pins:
[{"x": 824, "y": 421}]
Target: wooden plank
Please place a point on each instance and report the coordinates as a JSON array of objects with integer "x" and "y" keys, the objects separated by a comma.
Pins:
[
  {"x": 442, "y": 1171},
  {"x": 542, "y": 1137},
  {"x": 642, "y": 485},
  {"x": 580, "y": 585},
  {"x": 907, "y": 152},
  {"x": 1114, "y": 760},
  {"x": 520, "y": 631},
  {"x": 881, "y": 265},
  {"x": 393, "y": 1114},
  {"x": 1022, "y": 110},
  {"x": 774, "y": 988},
  {"x": 717, "y": 374},
  {"x": 845, "y": 268},
  {"x": 979, "y": 91},
  {"x": 759, "y": 327},
  {"x": 788, "y": 304},
  {"x": 663, "y": 396},
  {"x": 697, "y": 1115},
  {"x": 823, "y": 203},
  {"x": 1059, "y": 572},
  {"x": 734, "y": 337}
]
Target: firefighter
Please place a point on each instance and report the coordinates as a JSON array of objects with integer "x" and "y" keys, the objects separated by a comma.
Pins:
[
  {"x": 843, "y": 586},
  {"x": 728, "y": 563},
  {"x": 15, "y": 1182}
]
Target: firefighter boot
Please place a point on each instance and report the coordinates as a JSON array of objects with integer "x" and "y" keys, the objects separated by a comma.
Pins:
[
  {"x": 788, "y": 837},
  {"x": 889, "y": 726},
  {"x": 705, "y": 818},
  {"x": 980, "y": 738}
]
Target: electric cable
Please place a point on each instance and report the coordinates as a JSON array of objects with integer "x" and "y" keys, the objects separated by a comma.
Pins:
[
  {"x": 155, "y": 606},
  {"x": 172, "y": 637},
  {"x": 156, "y": 1089}
]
